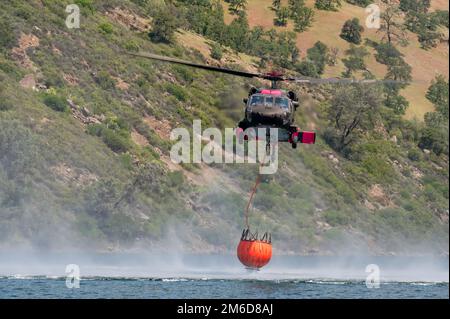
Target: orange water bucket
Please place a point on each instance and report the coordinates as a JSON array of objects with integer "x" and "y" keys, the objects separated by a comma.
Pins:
[{"x": 254, "y": 253}]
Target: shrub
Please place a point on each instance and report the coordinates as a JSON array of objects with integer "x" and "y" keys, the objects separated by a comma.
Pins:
[
  {"x": 435, "y": 139},
  {"x": 360, "y": 3},
  {"x": 441, "y": 17},
  {"x": 379, "y": 168},
  {"x": 95, "y": 129},
  {"x": 335, "y": 218},
  {"x": 121, "y": 227},
  {"x": 105, "y": 81},
  {"x": 52, "y": 78},
  {"x": 106, "y": 28},
  {"x": 56, "y": 103},
  {"x": 115, "y": 141},
  {"x": 414, "y": 155},
  {"x": 396, "y": 102},
  {"x": 175, "y": 178},
  {"x": 132, "y": 45},
  {"x": 5, "y": 105},
  {"x": 216, "y": 52},
  {"x": 8, "y": 67},
  {"x": 7, "y": 37},
  {"x": 307, "y": 68},
  {"x": 185, "y": 74},
  {"x": 328, "y": 5},
  {"x": 266, "y": 200},
  {"x": 23, "y": 12},
  {"x": 177, "y": 91},
  {"x": 87, "y": 4}
]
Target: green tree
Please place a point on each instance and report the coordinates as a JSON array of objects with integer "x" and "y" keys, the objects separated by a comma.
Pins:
[
  {"x": 238, "y": 32},
  {"x": 360, "y": 3},
  {"x": 396, "y": 102},
  {"x": 352, "y": 112},
  {"x": 237, "y": 6},
  {"x": 318, "y": 56},
  {"x": 276, "y": 5},
  {"x": 355, "y": 60},
  {"x": 307, "y": 68},
  {"x": 281, "y": 16},
  {"x": 441, "y": 17},
  {"x": 429, "y": 38},
  {"x": 438, "y": 95},
  {"x": 351, "y": 31},
  {"x": 415, "y": 5},
  {"x": 387, "y": 53},
  {"x": 301, "y": 15},
  {"x": 328, "y": 5},
  {"x": 399, "y": 70},
  {"x": 435, "y": 135},
  {"x": 392, "y": 26},
  {"x": 422, "y": 22},
  {"x": 164, "y": 25}
]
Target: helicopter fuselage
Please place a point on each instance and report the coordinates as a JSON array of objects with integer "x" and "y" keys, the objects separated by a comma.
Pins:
[{"x": 271, "y": 107}]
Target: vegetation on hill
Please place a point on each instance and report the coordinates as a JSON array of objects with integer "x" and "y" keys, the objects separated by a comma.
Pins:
[{"x": 84, "y": 147}]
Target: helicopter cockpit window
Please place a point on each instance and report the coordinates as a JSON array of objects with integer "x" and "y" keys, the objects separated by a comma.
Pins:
[
  {"x": 269, "y": 101},
  {"x": 282, "y": 103},
  {"x": 256, "y": 100}
]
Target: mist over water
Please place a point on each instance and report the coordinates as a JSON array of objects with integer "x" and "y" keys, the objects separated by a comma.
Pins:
[
  {"x": 183, "y": 276},
  {"x": 227, "y": 267}
]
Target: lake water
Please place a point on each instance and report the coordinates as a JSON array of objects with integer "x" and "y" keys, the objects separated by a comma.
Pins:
[{"x": 220, "y": 276}]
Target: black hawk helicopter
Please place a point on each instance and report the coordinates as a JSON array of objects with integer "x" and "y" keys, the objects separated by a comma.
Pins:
[{"x": 266, "y": 107}]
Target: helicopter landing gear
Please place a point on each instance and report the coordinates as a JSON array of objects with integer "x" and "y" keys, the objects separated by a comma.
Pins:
[{"x": 294, "y": 137}]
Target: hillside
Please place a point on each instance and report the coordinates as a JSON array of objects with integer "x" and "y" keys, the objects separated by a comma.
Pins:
[
  {"x": 84, "y": 145},
  {"x": 326, "y": 27}
]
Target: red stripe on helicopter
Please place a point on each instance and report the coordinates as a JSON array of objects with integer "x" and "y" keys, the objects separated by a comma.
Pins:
[{"x": 271, "y": 92}]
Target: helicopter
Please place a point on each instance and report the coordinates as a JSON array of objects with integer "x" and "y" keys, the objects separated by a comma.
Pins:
[{"x": 268, "y": 107}]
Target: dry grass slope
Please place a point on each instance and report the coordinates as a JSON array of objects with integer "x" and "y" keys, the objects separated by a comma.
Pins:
[{"x": 327, "y": 27}]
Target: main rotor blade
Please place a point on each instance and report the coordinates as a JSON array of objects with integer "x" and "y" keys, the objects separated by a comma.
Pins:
[
  {"x": 309, "y": 80},
  {"x": 197, "y": 65}
]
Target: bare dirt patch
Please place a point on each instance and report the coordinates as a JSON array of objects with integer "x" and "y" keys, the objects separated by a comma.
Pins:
[
  {"x": 161, "y": 127},
  {"x": 129, "y": 19},
  {"x": 77, "y": 176},
  {"x": 71, "y": 79},
  {"x": 121, "y": 84},
  {"x": 138, "y": 138},
  {"x": 377, "y": 193},
  {"x": 196, "y": 42},
  {"x": 19, "y": 53},
  {"x": 28, "y": 82}
]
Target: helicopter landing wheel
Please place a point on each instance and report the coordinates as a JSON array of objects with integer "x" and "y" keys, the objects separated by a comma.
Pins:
[{"x": 294, "y": 145}]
